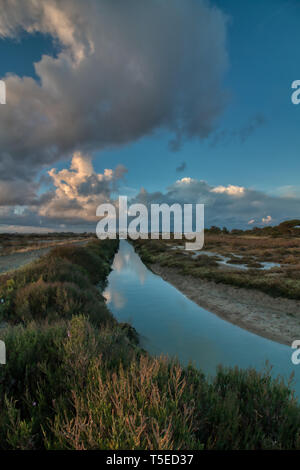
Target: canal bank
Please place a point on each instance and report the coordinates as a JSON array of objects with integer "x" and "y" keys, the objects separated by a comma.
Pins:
[{"x": 170, "y": 323}]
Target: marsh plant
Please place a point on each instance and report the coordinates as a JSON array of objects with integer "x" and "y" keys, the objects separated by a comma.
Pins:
[{"x": 75, "y": 378}]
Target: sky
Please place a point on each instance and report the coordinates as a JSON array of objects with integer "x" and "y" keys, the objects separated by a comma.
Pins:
[{"x": 160, "y": 100}]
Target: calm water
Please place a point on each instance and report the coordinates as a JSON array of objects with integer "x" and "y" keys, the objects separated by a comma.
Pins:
[{"x": 170, "y": 323}]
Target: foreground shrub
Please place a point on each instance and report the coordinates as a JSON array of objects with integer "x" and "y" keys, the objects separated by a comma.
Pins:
[
  {"x": 250, "y": 410},
  {"x": 146, "y": 406},
  {"x": 70, "y": 385},
  {"x": 52, "y": 301},
  {"x": 155, "y": 404},
  {"x": 44, "y": 364},
  {"x": 32, "y": 378}
]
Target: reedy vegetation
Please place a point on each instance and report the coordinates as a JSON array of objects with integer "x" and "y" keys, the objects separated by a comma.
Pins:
[
  {"x": 77, "y": 379},
  {"x": 251, "y": 250}
]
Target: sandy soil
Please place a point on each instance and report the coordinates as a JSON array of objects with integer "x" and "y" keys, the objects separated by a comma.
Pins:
[{"x": 274, "y": 318}]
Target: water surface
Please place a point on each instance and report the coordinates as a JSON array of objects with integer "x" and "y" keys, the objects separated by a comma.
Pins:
[{"x": 170, "y": 323}]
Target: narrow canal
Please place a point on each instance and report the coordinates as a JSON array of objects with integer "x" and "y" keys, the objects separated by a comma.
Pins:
[{"x": 171, "y": 324}]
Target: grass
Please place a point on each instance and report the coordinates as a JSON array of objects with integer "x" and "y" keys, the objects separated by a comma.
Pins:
[
  {"x": 283, "y": 281},
  {"x": 59, "y": 285},
  {"x": 75, "y": 378}
]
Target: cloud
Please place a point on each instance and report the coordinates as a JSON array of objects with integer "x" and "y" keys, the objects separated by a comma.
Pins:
[
  {"x": 231, "y": 205},
  {"x": 288, "y": 191},
  {"x": 257, "y": 121},
  {"x": 181, "y": 167},
  {"x": 18, "y": 192},
  {"x": 230, "y": 189},
  {"x": 266, "y": 220},
  {"x": 79, "y": 190},
  {"x": 124, "y": 70},
  {"x": 72, "y": 202},
  {"x": 242, "y": 134},
  {"x": 24, "y": 229}
]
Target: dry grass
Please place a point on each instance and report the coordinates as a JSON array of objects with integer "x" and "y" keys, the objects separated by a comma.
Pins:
[
  {"x": 249, "y": 250},
  {"x": 10, "y": 243}
]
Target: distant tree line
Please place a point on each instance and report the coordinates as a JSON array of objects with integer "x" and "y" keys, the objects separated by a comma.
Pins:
[{"x": 288, "y": 228}]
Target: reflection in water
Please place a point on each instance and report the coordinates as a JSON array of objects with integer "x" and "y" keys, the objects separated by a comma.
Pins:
[
  {"x": 169, "y": 323},
  {"x": 114, "y": 297},
  {"x": 127, "y": 261}
]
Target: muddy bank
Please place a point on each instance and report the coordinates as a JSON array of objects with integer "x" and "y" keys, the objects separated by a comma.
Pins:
[{"x": 277, "y": 319}]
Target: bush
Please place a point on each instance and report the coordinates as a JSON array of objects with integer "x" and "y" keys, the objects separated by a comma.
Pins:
[
  {"x": 85, "y": 258},
  {"x": 45, "y": 363},
  {"x": 76, "y": 379},
  {"x": 250, "y": 410},
  {"x": 29, "y": 382},
  {"x": 53, "y": 301},
  {"x": 146, "y": 406},
  {"x": 155, "y": 404},
  {"x": 71, "y": 385},
  {"x": 59, "y": 285}
]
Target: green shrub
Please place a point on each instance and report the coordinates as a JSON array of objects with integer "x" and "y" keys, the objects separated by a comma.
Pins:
[
  {"x": 52, "y": 301},
  {"x": 59, "y": 285},
  {"x": 145, "y": 406},
  {"x": 45, "y": 364},
  {"x": 30, "y": 380},
  {"x": 85, "y": 258},
  {"x": 155, "y": 404},
  {"x": 250, "y": 410}
]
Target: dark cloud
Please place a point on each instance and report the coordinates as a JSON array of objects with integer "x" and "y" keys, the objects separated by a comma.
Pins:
[
  {"x": 242, "y": 134},
  {"x": 181, "y": 167},
  {"x": 256, "y": 122},
  {"x": 233, "y": 206},
  {"x": 124, "y": 70},
  {"x": 18, "y": 192}
]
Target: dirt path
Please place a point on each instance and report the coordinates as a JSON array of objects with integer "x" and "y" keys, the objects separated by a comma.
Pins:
[
  {"x": 19, "y": 259},
  {"x": 274, "y": 318},
  {"x": 16, "y": 260}
]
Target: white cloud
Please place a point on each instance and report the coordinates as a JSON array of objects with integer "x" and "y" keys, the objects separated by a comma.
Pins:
[
  {"x": 266, "y": 220},
  {"x": 79, "y": 190},
  {"x": 24, "y": 229},
  {"x": 185, "y": 180},
  {"x": 230, "y": 189}
]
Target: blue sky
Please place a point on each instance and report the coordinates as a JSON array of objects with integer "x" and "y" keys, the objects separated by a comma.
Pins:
[
  {"x": 264, "y": 59},
  {"x": 255, "y": 139}
]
